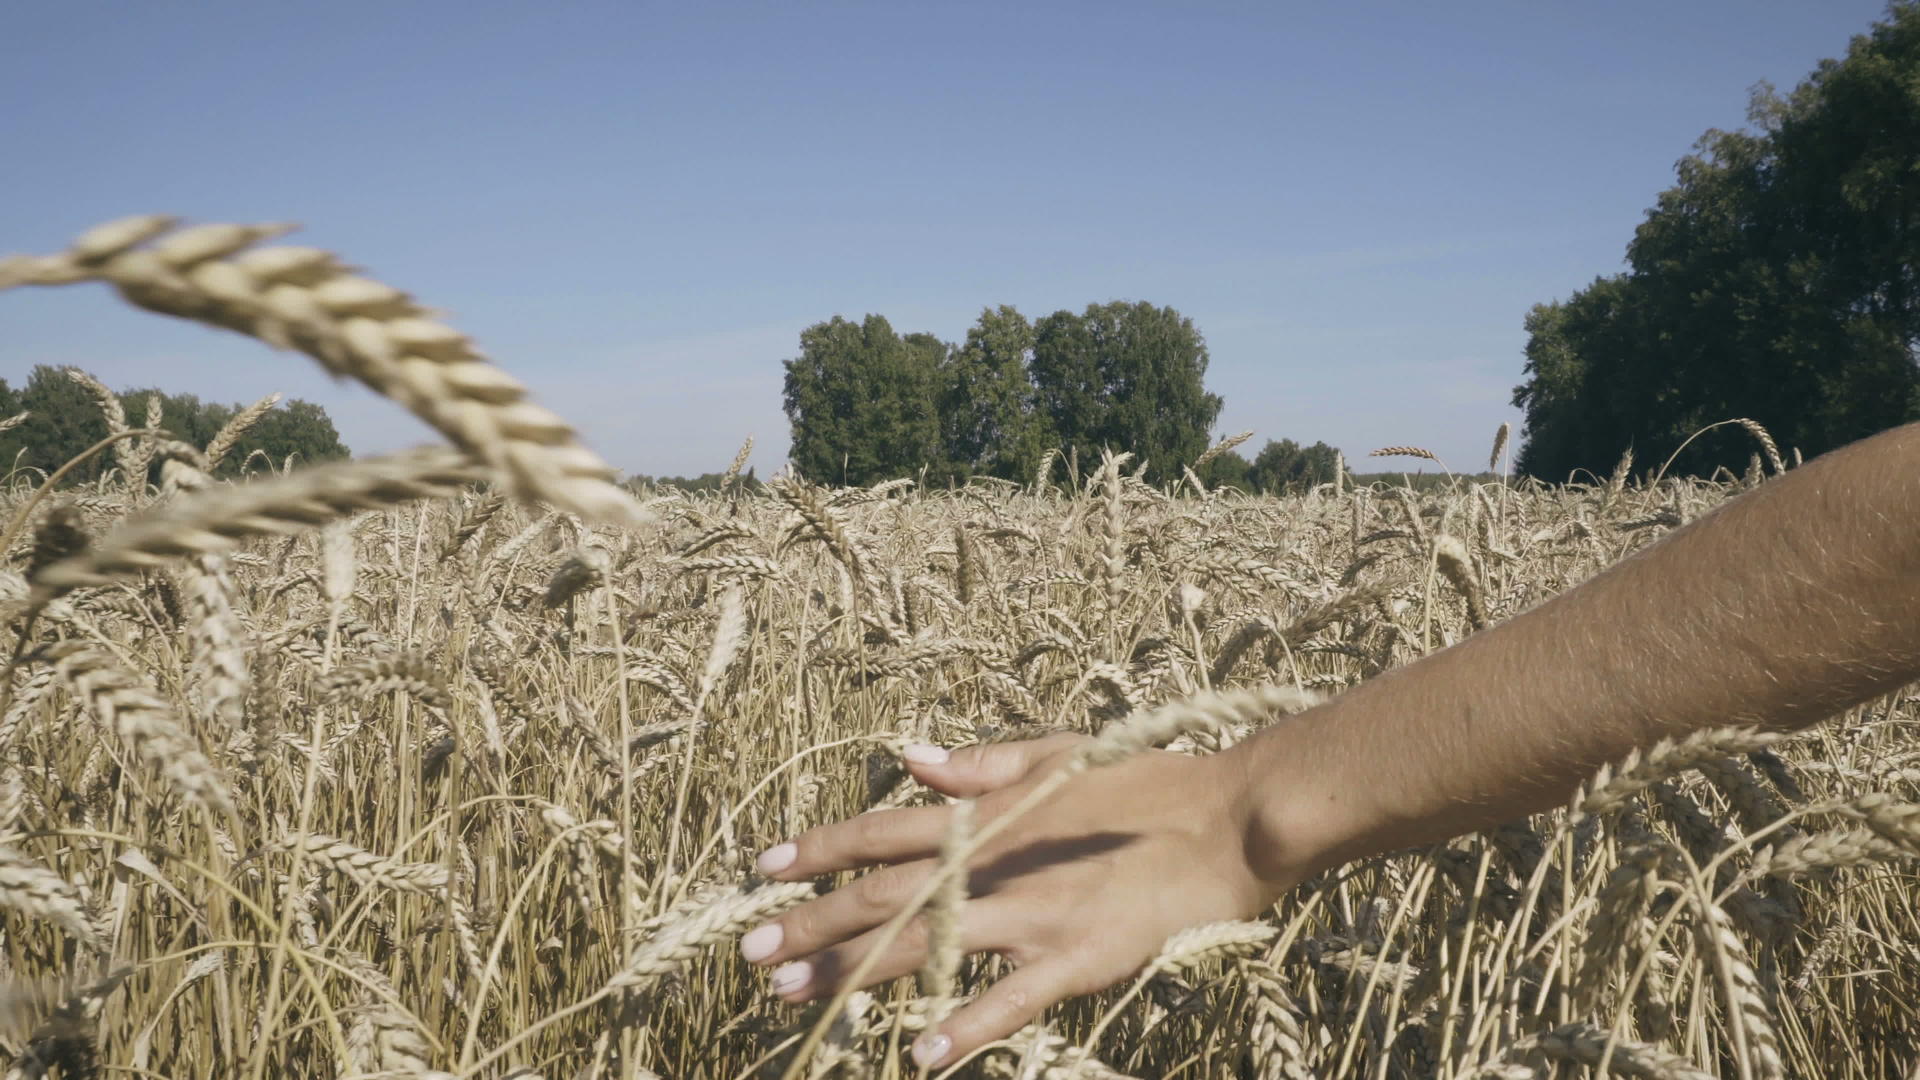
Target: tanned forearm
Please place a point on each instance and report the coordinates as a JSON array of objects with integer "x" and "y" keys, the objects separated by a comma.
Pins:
[{"x": 1780, "y": 608}]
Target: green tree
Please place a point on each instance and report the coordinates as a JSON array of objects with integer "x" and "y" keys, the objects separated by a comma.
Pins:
[
  {"x": 64, "y": 423},
  {"x": 1129, "y": 377},
  {"x": 987, "y": 419},
  {"x": 66, "y": 420},
  {"x": 298, "y": 429},
  {"x": 711, "y": 481},
  {"x": 1286, "y": 467},
  {"x": 1228, "y": 470},
  {"x": 862, "y": 402},
  {"x": 1775, "y": 280}
]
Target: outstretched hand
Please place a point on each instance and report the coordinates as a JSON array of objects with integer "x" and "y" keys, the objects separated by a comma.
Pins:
[{"x": 1078, "y": 893}]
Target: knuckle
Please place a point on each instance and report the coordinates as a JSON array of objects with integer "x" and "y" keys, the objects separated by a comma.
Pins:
[
  {"x": 869, "y": 831},
  {"x": 915, "y": 937},
  {"x": 877, "y": 891},
  {"x": 1018, "y": 1001},
  {"x": 799, "y": 927},
  {"x": 973, "y": 757}
]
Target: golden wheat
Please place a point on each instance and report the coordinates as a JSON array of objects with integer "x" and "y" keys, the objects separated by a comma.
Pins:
[{"x": 508, "y": 766}]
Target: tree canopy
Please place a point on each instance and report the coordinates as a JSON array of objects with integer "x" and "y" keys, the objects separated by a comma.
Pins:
[
  {"x": 862, "y": 401},
  {"x": 868, "y": 404},
  {"x": 1775, "y": 280},
  {"x": 65, "y": 420},
  {"x": 1286, "y": 467}
]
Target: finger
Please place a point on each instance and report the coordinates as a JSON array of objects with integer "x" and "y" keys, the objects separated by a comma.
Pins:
[
  {"x": 1002, "y": 1009},
  {"x": 976, "y": 770},
  {"x": 835, "y": 917},
  {"x": 879, "y": 836},
  {"x": 983, "y": 926}
]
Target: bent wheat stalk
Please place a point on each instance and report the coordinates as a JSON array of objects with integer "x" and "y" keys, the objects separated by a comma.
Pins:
[
  {"x": 219, "y": 520},
  {"x": 305, "y": 299}
]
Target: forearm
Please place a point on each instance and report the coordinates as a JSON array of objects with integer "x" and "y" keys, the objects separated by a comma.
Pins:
[{"x": 1781, "y": 607}]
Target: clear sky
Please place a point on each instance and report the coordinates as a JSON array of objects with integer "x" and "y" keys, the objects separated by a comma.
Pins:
[{"x": 636, "y": 208}]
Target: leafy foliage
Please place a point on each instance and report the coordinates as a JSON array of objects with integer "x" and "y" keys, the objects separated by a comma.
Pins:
[
  {"x": 1775, "y": 281},
  {"x": 862, "y": 401},
  {"x": 1286, "y": 467},
  {"x": 711, "y": 481},
  {"x": 65, "y": 421},
  {"x": 867, "y": 404},
  {"x": 1125, "y": 377},
  {"x": 988, "y": 423}
]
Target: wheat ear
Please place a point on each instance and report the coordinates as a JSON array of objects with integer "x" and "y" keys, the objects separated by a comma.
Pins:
[
  {"x": 1455, "y": 562},
  {"x": 1277, "y": 1042},
  {"x": 32, "y": 889},
  {"x": 1203, "y": 712},
  {"x": 1613, "y": 786},
  {"x": 236, "y": 428},
  {"x": 1221, "y": 447},
  {"x": 1748, "y": 1013},
  {"x": 368, "y": 869},
  {"x": 678, "y": 942},
  {"x": 1586, "y": 1044},
  {"x": 305, "y": 299},
  {"x": 1499, "y": 445},
  {"x": 739, "y": 462},
  {"x": 113, "y": 412},
  {"x": 1405, "y": 451},
  {"x": 1765, "y": 438},
  {"x": 143, "y": 720},
  {"x": 219, "y": 520}
]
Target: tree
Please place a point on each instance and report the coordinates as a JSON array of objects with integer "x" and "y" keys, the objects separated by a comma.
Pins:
[
  {"x": 1775, "y": 280},
  {"x": 712, "y": 481},
  {"x": 66, "y": 421},
  {"x": 1126, "y": 377},
  {"x": 298, "y": 429},
  {"x": 1285, "y": 467},
  {"x": 988, "y": 423},
  {"x": 862, "y": 402},
  {"x": 1227, "y": 470}
]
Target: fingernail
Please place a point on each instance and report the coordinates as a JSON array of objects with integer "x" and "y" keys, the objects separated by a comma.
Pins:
[
  {"x": 790, "y": 977},
  {"x": 777, "y": 858},
  {"x": 759, "y": 944},
  {"x": 922, "y": 754},
  {"x": 929, "y": 1049}
]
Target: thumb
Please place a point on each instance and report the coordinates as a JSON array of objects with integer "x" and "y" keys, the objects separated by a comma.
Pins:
[{"x": 973, "y": 771}]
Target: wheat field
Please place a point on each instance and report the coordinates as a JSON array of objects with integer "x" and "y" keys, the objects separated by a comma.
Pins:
[{"x": 454, "y": 763}]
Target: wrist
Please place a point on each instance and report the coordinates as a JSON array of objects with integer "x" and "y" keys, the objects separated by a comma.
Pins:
[{"x": 1301, "y": 807}]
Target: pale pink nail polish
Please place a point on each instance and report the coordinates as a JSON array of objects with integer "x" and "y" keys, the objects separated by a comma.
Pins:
[
  {"x": 923, "y": 754},
  {"x": 777, "y": 858},
  {"x": 759, "y": 944},
  {"x": 790, "y": 977},
  {"x": 929, "y": 1050}
]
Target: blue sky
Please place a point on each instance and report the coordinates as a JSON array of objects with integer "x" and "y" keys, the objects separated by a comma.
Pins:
[{"x": 636, "y": 208}]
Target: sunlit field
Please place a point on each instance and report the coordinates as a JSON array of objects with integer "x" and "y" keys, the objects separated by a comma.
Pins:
[{"x": 456, "y": 762}]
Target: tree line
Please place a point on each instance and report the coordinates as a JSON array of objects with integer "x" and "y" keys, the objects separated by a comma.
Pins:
[
  {"x": 1778, "y": 280},
  {"x": 867, "y": 403},
  {"x": 65, "y": 419}
]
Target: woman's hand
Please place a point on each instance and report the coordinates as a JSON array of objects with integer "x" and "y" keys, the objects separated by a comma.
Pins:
[{"x": 1078, "y": 893}]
